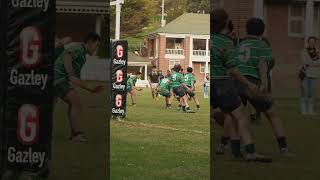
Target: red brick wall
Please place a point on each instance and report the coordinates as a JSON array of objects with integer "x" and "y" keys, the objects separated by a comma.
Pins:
[
  {"x": 162, "y": 63},
  {"x": 286, "y": 49},
  {"x": 187, "y": 42},
  {"x": 199, "y": 76}
]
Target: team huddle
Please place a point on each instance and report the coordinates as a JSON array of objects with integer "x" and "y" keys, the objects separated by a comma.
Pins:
[
  {"x": 240, "y": 76},
  {"x": 175, "y": 84}
]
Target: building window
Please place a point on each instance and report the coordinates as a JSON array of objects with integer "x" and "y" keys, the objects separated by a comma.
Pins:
[
  {"x": 202, "y": 67},
  {"x": 296, "y": 20},
  {"x": 175, "y": 46},
  {"x": 172, "y": 63}
]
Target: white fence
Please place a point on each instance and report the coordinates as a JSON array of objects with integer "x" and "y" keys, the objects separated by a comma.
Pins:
[
  {"x": 201, "y": 53},
  {"x": 175, "y": 51}
]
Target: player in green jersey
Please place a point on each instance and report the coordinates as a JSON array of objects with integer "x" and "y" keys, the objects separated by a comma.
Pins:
[
  {"x": 179, "y": 88},
  {"x": 189, "y": 81},
  {"x": 225, "y": 96},
  {"x": 254, "y": 57},
  {"x": 67, "y": 69},
  {"x": 131, "y": 87},
  {"x": 164, "y": 90}
]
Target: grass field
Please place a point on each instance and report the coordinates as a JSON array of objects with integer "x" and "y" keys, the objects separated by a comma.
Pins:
[
  {"x": 303, "y": 132},
  {"x": 158, "y": 144},
  {"x": 81, "y": 161}
]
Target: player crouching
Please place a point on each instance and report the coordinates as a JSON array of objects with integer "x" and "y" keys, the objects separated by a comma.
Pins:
[{"x": 131, "y": 87}]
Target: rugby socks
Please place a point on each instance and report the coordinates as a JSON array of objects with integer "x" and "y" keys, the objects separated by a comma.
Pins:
[
  {"x": 250, "y": 149},
  {"x": 235, "y": 148},
  {"x": 224, "y": 140},
  {"x": 198, "y": 106},
  {"x": 183, "y": 108},
  {"x": 282, "y": 142}
]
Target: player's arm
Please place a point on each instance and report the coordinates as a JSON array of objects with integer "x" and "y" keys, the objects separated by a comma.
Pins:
[
  {"x": 72, "y": 77},
  {"x": 263, "y": 72},
  {"x": 235, "y": 74}
]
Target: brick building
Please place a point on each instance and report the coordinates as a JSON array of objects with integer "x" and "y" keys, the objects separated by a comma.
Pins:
[
  {"x": 184, "y": 41},
  {"x": 289, "y": 24}
]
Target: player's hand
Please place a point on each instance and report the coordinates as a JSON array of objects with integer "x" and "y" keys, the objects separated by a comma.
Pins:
[
  {"x": 253, "y": 88},
  {"x": 97, "y": 89},
  {"x": 263, "y": 89}
]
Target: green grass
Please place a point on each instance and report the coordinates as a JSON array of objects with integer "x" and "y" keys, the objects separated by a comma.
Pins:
[
  {"x": 155, "y": 143},
  {"x": 81, "y": 161},
  {"x": 302, "y": 131}
]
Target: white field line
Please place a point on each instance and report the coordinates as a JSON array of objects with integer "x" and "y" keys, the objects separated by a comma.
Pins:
[{"x": 162, "y": 127}]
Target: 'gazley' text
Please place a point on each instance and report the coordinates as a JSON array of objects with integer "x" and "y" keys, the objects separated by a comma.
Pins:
[
  {"x": 31, "y": 79},
  {"x": 26, "y": 157},
  {"x": 43, "y": 4},
  {"x": 119, "y": 61}
]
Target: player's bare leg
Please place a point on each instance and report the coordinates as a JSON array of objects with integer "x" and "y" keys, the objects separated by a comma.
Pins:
[
  {"x": 152, "y": 92},
  {"x": 133, "y": 97},
  {"x": 229, "y": 132},
  {"x": 246, "y": 138},
  {"x": 186, "y": 105},
  {"x": 196, "y": 100},
  {"x": 278, "y": 130},
  {"x": 74, "y": 115}
]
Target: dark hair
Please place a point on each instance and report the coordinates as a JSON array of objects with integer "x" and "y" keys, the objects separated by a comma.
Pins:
[
  {"x": 154, "y": 67},
  {"x": 189, "y": 69},
  {"x": 230, "y": 26},
  {"x": 92, "y": 36},
  {"x": 312, "y": 38},
  {"x": 177, "y": 68},
  {"x": 218, "y": 20},
  {"x": 138, "y": 73},
  {"x": 255, "y": 26}
]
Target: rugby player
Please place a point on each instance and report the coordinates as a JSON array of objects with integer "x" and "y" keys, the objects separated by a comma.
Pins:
[
  {"x": 153, "y": 79},
  {"x": 254, "y": 58},
  {"x": 225, "y": 77},
  {"x": 179, "y": 88},
  {"x": 189, "y": 81},
  {"x": 67, "y": 68},
  {"x": 165, "y": 91},
  {"x": 131, "y": 87}
]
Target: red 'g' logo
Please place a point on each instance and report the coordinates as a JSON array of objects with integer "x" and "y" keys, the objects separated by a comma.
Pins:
[
  {"x": 28, "y": 124},
  {"x": 30, "y": 46},
  {"x": 119, "y": 50}
]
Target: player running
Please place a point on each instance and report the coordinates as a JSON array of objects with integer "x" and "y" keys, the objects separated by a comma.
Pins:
[
  {"x": 131, "y": 87},
  {"x": 254, "y": 57},
  {"x": 67, "y": 70},
  {"x": 165, "y": 91},
  {"x": 153, "y": 79},
  {"x": 224, "y": 87},
  {"x": 189, "y": 81}
]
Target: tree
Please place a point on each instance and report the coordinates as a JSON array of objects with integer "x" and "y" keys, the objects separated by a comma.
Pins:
[
  {"x": 135, "y": 15},
  {"x": 199, "y": 6}
]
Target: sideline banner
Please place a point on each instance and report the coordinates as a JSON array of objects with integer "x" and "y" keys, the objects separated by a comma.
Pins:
[
  {"x": 29, "y": 91},
  {"x": 119, "y": 66}
]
